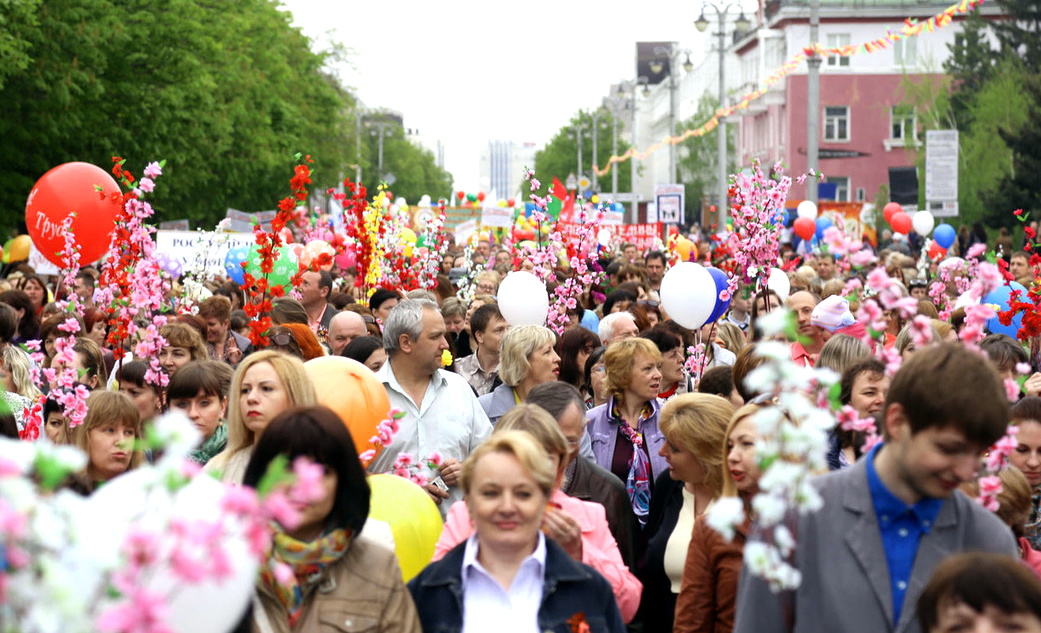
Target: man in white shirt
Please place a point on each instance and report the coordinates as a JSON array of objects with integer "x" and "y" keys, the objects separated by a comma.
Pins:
[{"x": 442, "y": 414}]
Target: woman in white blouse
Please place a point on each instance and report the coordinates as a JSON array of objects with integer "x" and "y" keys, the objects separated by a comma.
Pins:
[{"x": 497, "y": 577}]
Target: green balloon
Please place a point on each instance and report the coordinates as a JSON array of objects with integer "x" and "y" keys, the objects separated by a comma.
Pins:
[
  {"x": 421, "y": 241},
  {"x": 285, "y": 267},
  {"x": 472, "y": 197},
  {"x": 7, "y": 252}
]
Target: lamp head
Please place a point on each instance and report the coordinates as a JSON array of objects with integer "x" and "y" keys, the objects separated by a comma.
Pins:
[
  {"x": 701, "y": 23},
  {"x": 687, "y": 65},
  {"x": 742, "y": 23},
  {"x": 657, "y": 66}
]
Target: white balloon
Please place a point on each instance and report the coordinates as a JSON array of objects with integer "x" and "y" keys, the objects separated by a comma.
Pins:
[
  {"x": 807, "y": 209},
  {"x": 604, "y": 237},
  {"x": 923, "y": 223},
  {"x": 688, "y": 294},
  {"x": 523, "y": 299},
  {"x": 965, "y": 300},
  {"x": 779, "y": 282},
  {"x": 211, "y": 606}
]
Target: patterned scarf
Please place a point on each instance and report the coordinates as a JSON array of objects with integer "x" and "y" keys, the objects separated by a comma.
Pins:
[
  {"x": 211, "y": 446},
  {"x": 307, "y": 560},
  {"x": 1032, "y": 530},
  {"x": 638, "y": 482}
]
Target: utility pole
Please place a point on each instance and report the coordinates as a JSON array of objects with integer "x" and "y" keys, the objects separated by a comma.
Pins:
[
  {"x": 813, "y": 98},
  {"x": 722, "y": 206}
]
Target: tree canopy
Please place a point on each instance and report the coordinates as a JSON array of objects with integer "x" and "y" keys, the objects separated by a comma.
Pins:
[{"x": 226, "y": 93}]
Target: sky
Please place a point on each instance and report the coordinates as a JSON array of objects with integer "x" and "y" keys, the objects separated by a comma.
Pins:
[{"x": 467, "y": 72}]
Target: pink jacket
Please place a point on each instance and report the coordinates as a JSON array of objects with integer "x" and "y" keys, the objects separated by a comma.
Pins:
[{"x": 599, "y": 549}]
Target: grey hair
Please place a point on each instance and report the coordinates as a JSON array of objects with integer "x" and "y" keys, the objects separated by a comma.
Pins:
[
  {"x": 405, "y": 318},
  {"x": 419, "y": 293},
  {"x": 517, "y": 345},
  {"x": 607, "y": 324}
]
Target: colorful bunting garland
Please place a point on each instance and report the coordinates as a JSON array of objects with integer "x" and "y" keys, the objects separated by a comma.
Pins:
[{"x": 911, "y": 28}]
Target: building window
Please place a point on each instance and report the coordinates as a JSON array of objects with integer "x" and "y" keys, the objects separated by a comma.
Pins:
[
  {"x": 861, "y": 194},
  {"x": 837, "y": 40},
  {"x": 902, "y": 124},
  {"x": 905, "y": 52},
  {"x": 836, "y": 123},
  {"x": 841, "y": 188}
]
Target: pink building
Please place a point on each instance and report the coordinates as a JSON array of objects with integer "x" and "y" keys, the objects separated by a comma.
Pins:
[{"x": 865, "y": 125}]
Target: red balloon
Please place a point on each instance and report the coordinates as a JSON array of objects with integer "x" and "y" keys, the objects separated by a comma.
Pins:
[
  {"x": 66, "y": 189},
  {"x": 510, "y": 202},
  {"x": 390, "y": 196},
  {"x": 805, "y": 228},
  {"x": 890, "y": 209},
  {"x": 460, "y": 195},
  {"x": 901, "y": 222},
  {"x": 480, "y": 197},
  {"x": 936, "y": 251}
]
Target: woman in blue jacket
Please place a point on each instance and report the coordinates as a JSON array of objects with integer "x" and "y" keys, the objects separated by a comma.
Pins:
[{"x": 508, "y": 571}]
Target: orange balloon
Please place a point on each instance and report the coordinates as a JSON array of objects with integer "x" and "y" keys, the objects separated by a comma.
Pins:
[{"x": 353, "y": 392}]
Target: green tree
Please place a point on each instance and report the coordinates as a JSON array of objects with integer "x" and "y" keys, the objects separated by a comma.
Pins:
[
  {"x": 16, "y": 17},
  {"x": 1018, "y": 186},
  {"x": 226, "y": 96},
  {"x": 560, "y": 155},
  {"x": 699, "y": 157}
]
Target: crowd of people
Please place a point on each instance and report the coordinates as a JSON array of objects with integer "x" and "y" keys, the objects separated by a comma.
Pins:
[{"x": 577, "y": 470}]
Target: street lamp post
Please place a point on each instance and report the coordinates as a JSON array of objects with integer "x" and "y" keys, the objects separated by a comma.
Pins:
[
  {"x": 577, "y": 129},
  {"x": 627, "y": 89},
  {"x": 741, "y": 24}
]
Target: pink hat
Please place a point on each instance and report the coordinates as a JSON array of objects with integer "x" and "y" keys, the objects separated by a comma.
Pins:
[{"x": 832, "y": 314}]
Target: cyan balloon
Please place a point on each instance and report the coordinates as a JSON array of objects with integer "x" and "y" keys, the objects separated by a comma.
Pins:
[
  {"x": 944, "y": 235},
  {"x": 823, "y": 224},
  {"x": 233, "y": 264},
  {"x": 1000, "y": 297}
]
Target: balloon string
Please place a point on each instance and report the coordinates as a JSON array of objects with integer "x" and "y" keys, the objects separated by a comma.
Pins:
[{"x": 704, "y": 355}]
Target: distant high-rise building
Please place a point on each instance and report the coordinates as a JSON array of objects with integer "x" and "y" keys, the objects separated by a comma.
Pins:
[
  {"x": 502, "y": 166},
  {"x": 436, "y": 147}
]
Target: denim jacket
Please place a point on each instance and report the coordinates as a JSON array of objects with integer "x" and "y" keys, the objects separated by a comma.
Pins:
[
  {"x": 569, "y": 588},
  {"x": 604, "y": 434}
]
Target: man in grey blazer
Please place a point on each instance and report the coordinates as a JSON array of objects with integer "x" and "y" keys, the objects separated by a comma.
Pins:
[{"x": 888, "y": 521}]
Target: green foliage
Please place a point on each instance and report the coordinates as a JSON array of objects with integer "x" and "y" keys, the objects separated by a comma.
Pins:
[
  {"x": 16, "y": 17},
  {"x": 698, "y": 158},
  {"x": 1018, "y": 186},
  {"x": 227, "y": 93},
  {"x": 560, "y": 155}
]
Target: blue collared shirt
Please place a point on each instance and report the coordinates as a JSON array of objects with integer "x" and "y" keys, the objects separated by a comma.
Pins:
[{"x": 902, "y": 527}]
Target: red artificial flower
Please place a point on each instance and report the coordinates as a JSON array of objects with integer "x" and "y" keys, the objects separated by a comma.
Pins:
[{"x": 1018, "y": 212}]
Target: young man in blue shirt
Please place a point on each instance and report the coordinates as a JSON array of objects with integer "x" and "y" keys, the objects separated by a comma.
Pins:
[{"x": 888, "y": 521}]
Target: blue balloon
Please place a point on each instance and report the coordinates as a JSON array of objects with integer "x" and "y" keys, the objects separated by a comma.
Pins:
[
  {"x": 780, "y": 217},
  {"x": 722, "y": 282},
  {"x": 944, "y": 235},
  {"x": 233, "y": 264},
  {"x": 823, "y": 224},
  {"x": 1000, "y": 296}
]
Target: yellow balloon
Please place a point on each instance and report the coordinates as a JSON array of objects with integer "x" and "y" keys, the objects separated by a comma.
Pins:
[
  {"x": 408, "y": 235},
  {"x": 595, "y": 199},
  {"x": 412, "y": 516},
  {"x": 19, "y": 248}
]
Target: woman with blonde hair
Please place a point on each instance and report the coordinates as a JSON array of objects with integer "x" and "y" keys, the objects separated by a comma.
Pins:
[
  {"x": 508, "y": 482},
  {"x": 580, "y": 527},
  {"x": 694, "y": 425},
  {"x": 624, "y": 430},
  {"x": 731, "y": 335},
  {"x": 708, "y": 590},
  {"x": 527, "y": 357},
  {"x": 107, "y": 435},
  {"x": 265, "y": 384}
]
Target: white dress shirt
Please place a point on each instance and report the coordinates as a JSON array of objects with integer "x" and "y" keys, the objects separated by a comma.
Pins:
[
  {"x": 489, "y": 607},
  {"x": 450, "y": 421}
]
